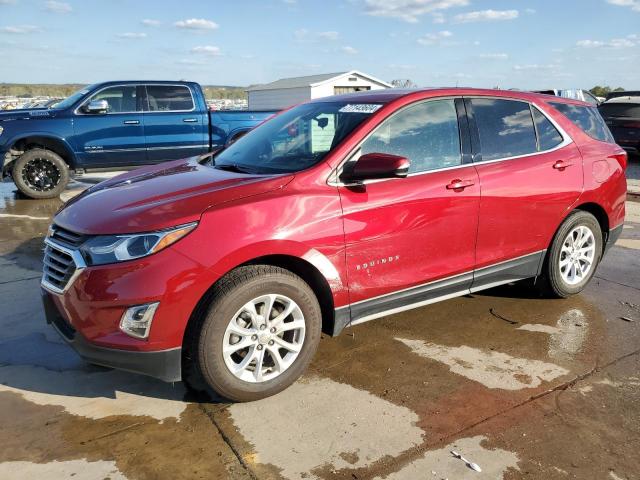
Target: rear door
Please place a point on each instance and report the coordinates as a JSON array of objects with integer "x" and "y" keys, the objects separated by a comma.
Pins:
[
  {"x": 115, "y": 137},
  {"x": 412, "y": 240},
  {"x": 530, "y": 174},
  {"x": 174, "y": 127}
]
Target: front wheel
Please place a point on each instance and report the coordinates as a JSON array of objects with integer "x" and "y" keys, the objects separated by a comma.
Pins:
[
  {"x": 40, "y": 173},
  {"x": 259, "y": 334},
  {"x": 574, "y": 255}
]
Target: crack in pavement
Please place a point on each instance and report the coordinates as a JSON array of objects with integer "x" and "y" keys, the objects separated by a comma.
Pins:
[
  {"x": 226, "y": 438},
  {"x": 384, "y": 468},
  {"x": 617, "y": 283}
]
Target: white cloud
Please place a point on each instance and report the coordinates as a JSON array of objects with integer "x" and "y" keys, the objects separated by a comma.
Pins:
[
  {"x": 148, "y": 22},
  {"x": 630, "y": 41},
  {"x": 434, "y": 38},
  {"x": 408, "y": 10},
  {"x": 57, "y": 7},
  {"x": 633, "y": 4},
  {"x": 330, "y": 35},
  {"x": 208, "y": 50},
  {"x": 7, "y": 2},
  {"x": 20, "y": 29},
  {"x": 132, "y": 35},
  {"x": 486, "y": 16},
  {"x": 529, "y": 11},
  {"x": 534, "y": 66},
  {"x": 349, "y": 50},
  {"x": 197, "y": 24},
  {"x": 494, "y": 56},
  {"x": 438, "y": 18},
  {"x": 301, "y": 33}
]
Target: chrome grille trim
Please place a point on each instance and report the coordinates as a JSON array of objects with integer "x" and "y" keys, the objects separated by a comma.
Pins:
[
  {"x": 66, "y": 237},
  {"x": 61, "y": 267}
]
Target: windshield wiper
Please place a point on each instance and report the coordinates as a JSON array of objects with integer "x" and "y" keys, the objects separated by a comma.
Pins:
[{"x": 232, "y": 167}]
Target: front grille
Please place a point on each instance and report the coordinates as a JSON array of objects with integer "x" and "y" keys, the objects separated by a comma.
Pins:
[
  {"x": 66, "y": 237},
  {"x": 59, "y": 267}
]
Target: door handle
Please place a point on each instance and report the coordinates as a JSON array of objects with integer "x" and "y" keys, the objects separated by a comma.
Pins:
[
  {"x": 561, "y": 165},
  {"x": 132, "y": 122},
  {"x": 190, "y": 120},
  {"x": 458, "y": 184}
]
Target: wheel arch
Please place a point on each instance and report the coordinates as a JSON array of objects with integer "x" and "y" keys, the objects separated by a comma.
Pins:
[
  {"x": 302, "y": 267},
  {"x": 601, "y": 216},
  {"x": 55, "y": 144}
]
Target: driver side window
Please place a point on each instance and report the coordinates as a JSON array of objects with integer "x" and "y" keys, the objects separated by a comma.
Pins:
[
  {"x": 121, "y": 99},
  {"x": 426, "y": 133}
]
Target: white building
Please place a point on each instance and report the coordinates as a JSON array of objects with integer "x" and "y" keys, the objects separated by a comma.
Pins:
[{"x": 289, "y": 91}]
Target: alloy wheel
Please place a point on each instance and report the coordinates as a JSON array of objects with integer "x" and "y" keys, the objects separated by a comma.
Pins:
[
  {"x": 41, "y": 174},
  {"x": 264, "y": 338},
  {"x": 577, "y": 255}
]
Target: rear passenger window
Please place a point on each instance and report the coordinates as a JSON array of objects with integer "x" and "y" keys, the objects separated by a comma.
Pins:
[
  {"x": 505, "y": 127},
  {"x": 588, "y": 119},
  {"x": 168, "y": 98},
  {"x": 426, "y": 133},
  {"x": 548, "y": 135}
]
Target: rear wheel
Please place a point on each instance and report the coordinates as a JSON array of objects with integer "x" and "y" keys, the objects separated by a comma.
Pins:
[
  {"x": 258, "y": 335},
  {"x": 40, "y": 173},
  {"x": 574, "y": 255}
]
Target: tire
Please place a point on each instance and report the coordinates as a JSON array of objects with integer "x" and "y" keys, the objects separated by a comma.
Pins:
[
  {"x": 40, "y": 174},
  {"x": 557, "y": 279},
  {"x": 227, "y": 310}
]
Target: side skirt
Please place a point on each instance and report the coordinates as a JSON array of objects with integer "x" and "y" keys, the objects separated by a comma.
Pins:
[{"x": 513, "y": 270}]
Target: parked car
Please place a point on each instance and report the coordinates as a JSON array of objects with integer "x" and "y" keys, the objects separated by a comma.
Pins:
[
  {"x": 224, "y": 271},
  {"x": 574, "y": 93},
  {"x": 112, "y": 126},
  {"x": 623, "y": 93},
  {"x": 622, "y": 115}
]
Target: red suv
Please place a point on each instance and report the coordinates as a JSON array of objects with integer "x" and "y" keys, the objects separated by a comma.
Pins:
[{"x": 338, "y": 211}]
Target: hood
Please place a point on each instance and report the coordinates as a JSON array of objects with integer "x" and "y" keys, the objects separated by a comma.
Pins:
[
  {"x": 159, "y": 196},
  {"x": 26, "y": 114}
]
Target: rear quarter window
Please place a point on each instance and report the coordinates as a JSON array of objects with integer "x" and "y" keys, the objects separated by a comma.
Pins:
[
  {"x": 620, "y": 110},
  {"x": 588, "y": 119}
]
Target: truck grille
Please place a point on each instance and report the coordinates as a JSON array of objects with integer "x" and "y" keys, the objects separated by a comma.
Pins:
[{"x": 59, "y": 267}]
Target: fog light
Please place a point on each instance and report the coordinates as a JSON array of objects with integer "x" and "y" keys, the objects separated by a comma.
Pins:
[{"x": 136, "y": 321}]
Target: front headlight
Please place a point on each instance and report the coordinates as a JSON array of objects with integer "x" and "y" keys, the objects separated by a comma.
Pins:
[{"x": 104, "y": 249}]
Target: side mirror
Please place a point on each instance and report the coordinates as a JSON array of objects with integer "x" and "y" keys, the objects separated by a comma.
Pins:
[
  {"x": 377, "y": 165},
  {"x": 97, "y": 106}
]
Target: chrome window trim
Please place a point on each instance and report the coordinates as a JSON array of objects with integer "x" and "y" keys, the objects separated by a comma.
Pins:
[
  {"x": 77, "y": 260},
  {"x": 566, "y": 140},
  {"x": 79, "y": 113},
  {"x": 193, "y": 100}
]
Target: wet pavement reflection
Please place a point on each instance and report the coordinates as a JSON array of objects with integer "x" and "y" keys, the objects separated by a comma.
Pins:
[{"x": 524, "y": 387}]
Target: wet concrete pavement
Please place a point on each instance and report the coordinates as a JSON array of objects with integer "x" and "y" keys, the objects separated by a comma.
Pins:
[{"x": 524, "y": 387}]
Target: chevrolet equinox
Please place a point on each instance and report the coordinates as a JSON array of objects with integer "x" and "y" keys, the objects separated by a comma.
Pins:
[{"x": 224, "y": 270}]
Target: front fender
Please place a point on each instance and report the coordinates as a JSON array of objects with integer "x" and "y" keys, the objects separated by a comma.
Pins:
[{"x": 58, "y": 144}]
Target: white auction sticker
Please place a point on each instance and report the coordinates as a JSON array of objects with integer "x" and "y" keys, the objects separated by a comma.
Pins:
[{"x": 360, "y": 108}]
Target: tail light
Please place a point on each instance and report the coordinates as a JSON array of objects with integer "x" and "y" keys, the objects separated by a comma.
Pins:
[{"x": 622, "y": 159}]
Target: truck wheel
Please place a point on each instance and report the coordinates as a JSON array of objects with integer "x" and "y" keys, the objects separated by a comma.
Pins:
[
  {"x": 40, "y": 173},
  {"x": 258, "y": 334},
  {"x": 574, "y": 255}
]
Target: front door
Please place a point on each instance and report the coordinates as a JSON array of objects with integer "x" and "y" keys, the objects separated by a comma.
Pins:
[
  {"x": 115, "y": 137},
  {"x": 410, "y": 241},
  {"x": 173, "y": 126},
  {"x": 530, "y": 175}
]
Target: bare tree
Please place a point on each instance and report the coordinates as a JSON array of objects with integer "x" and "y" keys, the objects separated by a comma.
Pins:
[{"x": 403, "y": 83}]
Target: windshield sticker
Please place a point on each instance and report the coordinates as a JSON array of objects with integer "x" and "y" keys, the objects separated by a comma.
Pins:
[{"x": 360, "y": 108}]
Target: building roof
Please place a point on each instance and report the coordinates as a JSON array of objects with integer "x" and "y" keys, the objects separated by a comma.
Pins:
[{"x": 311, "y": 81}]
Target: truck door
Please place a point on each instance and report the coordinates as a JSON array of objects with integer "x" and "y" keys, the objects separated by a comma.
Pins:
[
  {"x": 174, "y": 126},
  {"x": 115, "y": 137}
]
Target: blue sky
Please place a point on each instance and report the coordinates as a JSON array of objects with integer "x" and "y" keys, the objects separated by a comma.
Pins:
[{"x": 484, "y": 43}]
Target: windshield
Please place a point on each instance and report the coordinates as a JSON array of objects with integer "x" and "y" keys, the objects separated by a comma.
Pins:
[
  {"x": 73, "y": 98},
  {"x": 296, "y": 139}
]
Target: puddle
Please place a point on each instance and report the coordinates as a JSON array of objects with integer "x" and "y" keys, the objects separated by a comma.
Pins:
[
  {"x": 76, "y": 469},
  {"x": 567, "y": 337},
  {"x": 319, "y": 423},
  {"x": 440, "y": 464},
  {"x": 491, "y": 369}
]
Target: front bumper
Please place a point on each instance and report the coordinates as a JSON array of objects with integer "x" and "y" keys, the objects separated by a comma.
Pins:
[{"x": 163, "y": 364}]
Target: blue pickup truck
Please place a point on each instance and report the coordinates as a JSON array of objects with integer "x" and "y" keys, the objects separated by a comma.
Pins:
[{"x": 113, "y": 126}]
